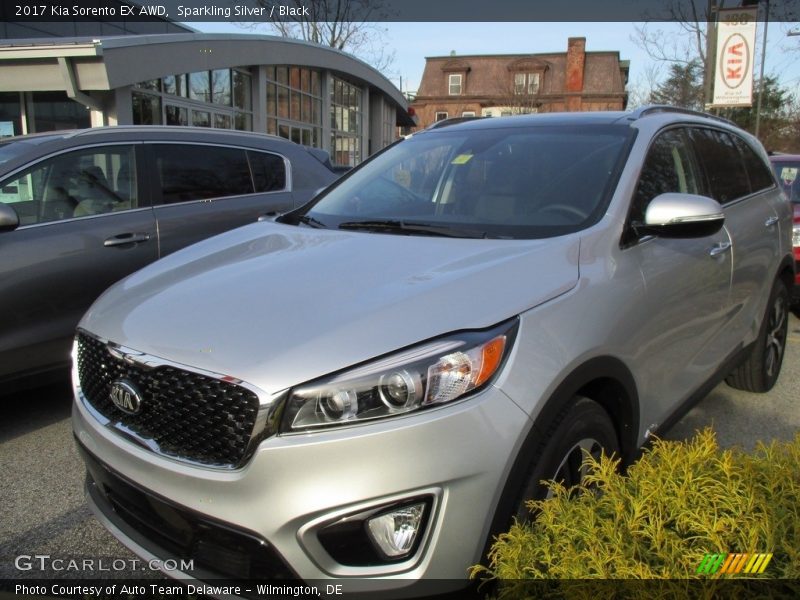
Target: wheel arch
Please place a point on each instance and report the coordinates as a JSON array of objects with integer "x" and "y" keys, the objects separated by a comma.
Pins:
[{"x": 604, "y": 379}]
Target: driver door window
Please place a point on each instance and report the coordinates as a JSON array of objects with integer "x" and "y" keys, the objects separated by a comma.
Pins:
[
  {"x": 74, "y": 184},
  {"x": 669, "y": 167}
]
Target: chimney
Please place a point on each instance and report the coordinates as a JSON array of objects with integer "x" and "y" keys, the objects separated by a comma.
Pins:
[{"x": 576, "y": 59}]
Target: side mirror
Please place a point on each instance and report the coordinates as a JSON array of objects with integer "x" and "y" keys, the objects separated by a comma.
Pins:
[
  {"x": 8, "y": 218},
  {"x": 674, "y": 215}
]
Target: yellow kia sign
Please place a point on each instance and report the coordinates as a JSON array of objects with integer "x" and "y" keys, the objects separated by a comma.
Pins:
[{"x": 736, "y": 37}]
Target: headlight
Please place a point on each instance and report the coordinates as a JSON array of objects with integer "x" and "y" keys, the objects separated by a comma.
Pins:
[{"x": 427, "y": 375}]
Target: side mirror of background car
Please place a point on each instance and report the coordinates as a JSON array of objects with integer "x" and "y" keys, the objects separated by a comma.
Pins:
[
  {"x": 8, "y": 218},
  {"x": 674, "y": 215}
]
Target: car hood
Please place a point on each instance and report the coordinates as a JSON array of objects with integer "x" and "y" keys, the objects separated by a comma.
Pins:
[{"x": 277, "y": 305}]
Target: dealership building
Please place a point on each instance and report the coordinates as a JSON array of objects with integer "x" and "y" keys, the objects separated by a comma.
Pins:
[{"x": 311, "y": 94}]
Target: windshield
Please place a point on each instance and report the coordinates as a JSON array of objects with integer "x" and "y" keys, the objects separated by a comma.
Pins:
[
  {"x": 511, "y": 182},
  {"x": 786, "y": 171}
]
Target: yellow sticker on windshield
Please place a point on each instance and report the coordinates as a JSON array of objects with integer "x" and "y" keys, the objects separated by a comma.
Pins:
[{"x": 461, "y": 159}]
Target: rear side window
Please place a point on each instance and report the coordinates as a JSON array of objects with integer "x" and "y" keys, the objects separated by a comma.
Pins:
[
  {"x": 758, "y": 173},
  {"x": 724, "y": 168},
  {"x": 194, "y": 172},
  {"x": 269, "y": 171}
]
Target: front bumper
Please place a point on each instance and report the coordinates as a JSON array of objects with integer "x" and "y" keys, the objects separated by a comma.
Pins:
[{"x": 263, "y": 520}]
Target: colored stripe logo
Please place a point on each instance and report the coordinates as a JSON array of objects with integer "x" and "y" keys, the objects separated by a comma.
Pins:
[{"x": 734, "y": 564}]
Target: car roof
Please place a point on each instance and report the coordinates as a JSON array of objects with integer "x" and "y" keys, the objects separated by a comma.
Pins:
[
  {"x": 144, "y": 130},
  {"x": 784, "y": 157},
  {"x": 585, "y": 119}
]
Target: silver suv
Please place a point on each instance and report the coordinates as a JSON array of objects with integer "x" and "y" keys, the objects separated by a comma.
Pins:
[{"x": 372, "y": 385}]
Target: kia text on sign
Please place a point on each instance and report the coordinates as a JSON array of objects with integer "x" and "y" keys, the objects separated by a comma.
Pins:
[{"x": 733, "y": 81}]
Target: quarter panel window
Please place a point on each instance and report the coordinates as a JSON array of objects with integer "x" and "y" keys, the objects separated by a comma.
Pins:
[
  {"x": 668, "y": 167},
  {"x": 269, "y": 171},
  {"x": 75, "y": 184},
  {"x": 187, "y": 172},
  {"x": 722, "y": 163},
  {"x": 758, "y": 173}
]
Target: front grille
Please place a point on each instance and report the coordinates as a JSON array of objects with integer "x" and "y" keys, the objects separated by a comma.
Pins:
[
  {"x": 186, "y": 415},
  {"x": 216, "y": 549}
]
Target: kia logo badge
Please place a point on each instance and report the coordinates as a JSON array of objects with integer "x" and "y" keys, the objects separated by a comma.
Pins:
[{"x": 125, "y": 396}]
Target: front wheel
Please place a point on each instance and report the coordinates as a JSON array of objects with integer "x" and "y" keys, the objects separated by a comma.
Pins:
[
  {"x": 584, "y": 428},
  {"x": 759, "y": 372}
]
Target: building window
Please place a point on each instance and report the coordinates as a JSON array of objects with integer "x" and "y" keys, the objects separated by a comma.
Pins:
[
  {"x": 440, "y": 116},
  {"x": 526, "y": 83},
  {"x": 468, "y": 113},
  {"x": 345, "y": 123},
  {"x": 199, "y": 86},
  {"x": 294, "y": 104},
  {"x": 146, "y": 109},
  {"x": 48, "y": 111},
  {"x": 220, "y": 98},
  {"x": 454, "y": 84}
]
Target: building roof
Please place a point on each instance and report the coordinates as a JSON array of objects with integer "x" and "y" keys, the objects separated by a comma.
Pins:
[
  {"x": 107, "y": 63},
  {"x": 488, "y": 75}
]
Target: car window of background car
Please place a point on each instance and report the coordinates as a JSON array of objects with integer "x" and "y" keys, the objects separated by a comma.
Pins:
[
  {"x": 669, "y": 167},
  {"x": 74, "y": 184},
  {"x": 269, "y": 171},
  {"x": 787, "y": 176},
  {"x": 197, "y": 172}
]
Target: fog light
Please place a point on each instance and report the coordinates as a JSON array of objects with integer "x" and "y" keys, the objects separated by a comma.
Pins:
[{"x": 394, "y": 532}]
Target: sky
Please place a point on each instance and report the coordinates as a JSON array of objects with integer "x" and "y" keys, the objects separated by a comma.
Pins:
[{"x": 412, "y": 42}]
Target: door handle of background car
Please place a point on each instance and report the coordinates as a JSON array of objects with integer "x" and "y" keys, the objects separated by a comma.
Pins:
[
  {"x": 770, "y": 222},
  {"x": 126, "y": 238},
  {"x": 719, "y": 248}
]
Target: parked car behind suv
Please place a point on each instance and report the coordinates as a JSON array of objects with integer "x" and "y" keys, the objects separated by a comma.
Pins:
[
  {"x": 787, "y": 167},
  {"x": 80, "y": 210},
  {"x": 374, "y": 384}
]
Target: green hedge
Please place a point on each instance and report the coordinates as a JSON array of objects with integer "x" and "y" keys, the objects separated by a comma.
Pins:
[{"x": 680, "y": 501}]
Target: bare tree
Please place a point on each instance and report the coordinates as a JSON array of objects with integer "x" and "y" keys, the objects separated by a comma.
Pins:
[
  {"x": 349, "y": 25},
  {"x": 685, "y": 45},
  {"x": 518, "y": 98}
]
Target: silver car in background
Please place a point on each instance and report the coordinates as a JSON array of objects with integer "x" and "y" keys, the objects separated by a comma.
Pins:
[{"x": 370, "y": 387}]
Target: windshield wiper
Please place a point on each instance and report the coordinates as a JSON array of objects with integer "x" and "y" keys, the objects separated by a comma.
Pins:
[
  {"x": 395, "y": 226},
  {"x": 311, "y": 222}
]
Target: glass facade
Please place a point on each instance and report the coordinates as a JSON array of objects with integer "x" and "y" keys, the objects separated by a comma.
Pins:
[
  {"x": 219, "y": 98},
  {"x": 346, "y": 124},
  {"x": 294, "y": 104},
  {"x": 296, "y": 100}
]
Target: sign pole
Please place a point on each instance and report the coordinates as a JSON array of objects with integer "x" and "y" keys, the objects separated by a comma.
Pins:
[{"x": 761, "y": 76}]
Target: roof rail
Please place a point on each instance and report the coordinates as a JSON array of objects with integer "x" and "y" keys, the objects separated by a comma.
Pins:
[
  {"x": 666, "y": 108},
  {"x": 452, "y": 121}
]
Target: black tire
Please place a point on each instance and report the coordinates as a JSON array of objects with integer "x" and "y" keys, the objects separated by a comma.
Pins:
[
  {"x": 759, "y": 372},
  {"x": 583, "y": 426}
]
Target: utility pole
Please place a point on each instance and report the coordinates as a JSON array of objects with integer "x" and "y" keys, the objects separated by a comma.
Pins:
[{"x": 761, "y": 75}]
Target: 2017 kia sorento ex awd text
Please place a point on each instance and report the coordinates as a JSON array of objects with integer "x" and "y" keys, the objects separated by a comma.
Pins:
[{"x": 372, "y": 385}]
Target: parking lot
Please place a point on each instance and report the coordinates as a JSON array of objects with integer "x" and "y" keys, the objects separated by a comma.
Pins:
[{"x": 42, "y": 509}]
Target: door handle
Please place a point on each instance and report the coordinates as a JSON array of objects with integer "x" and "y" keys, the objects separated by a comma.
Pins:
[
  {"x": 126, "y": 238},
  {"x": 719, "y": 248},
  {"x": 770, "y": 221}
]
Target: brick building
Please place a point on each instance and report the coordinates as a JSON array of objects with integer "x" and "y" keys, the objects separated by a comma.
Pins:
[{"x": 499, "y": 85}]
